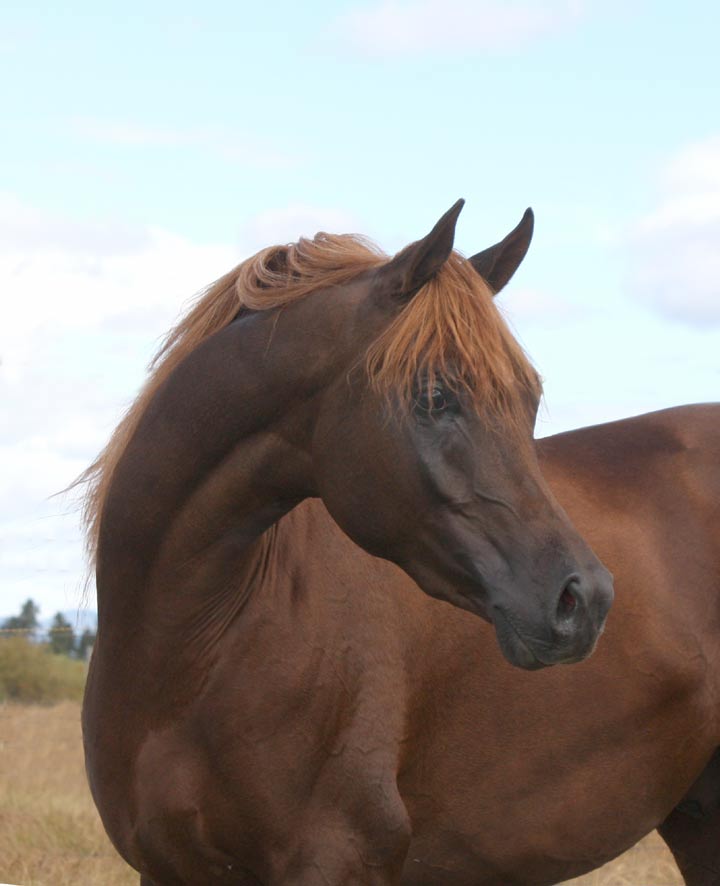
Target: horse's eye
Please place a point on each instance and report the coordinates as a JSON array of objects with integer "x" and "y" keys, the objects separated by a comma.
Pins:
[{"x": 436, "y": 399}]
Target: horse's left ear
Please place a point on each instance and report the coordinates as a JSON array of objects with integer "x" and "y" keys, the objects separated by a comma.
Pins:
[
  {"x": 497, "y": 264},
  {"x": 418, "y": 263}
]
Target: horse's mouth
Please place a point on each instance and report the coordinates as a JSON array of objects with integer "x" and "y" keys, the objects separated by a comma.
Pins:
[
  {"x": 522, "y": 653},
  {"x": 513, "y": 646}
]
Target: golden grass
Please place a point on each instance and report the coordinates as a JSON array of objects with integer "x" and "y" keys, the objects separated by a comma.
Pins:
[
  {"x": 649, "y": 863},
  {"x": 50, "y": 834}
]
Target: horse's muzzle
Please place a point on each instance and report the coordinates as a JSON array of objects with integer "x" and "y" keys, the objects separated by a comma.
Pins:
[{"x": 570, "y": 630}]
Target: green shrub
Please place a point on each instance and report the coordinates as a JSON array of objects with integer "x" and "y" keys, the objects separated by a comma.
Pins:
[{"x": 31, "y": 673}]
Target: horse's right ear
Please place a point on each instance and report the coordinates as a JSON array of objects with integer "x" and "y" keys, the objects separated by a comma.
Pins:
[
  {"x": 418, "y": 263},
  {"x": 497, "y": 264}
]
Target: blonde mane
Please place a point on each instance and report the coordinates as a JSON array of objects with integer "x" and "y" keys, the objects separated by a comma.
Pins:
[{"x": 450, "y": 328}]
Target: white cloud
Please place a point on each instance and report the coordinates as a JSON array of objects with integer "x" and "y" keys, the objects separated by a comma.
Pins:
[
  {"x": 50, "y": 291},
  {"x": 523, "y": 307},
  {"x": 136, "y": 135},
  {"x": 233, "y": 146},
  {"x": 695, "y": 167},
  {"x": 397, "y": 27},
  {"x": 82, "y": 308},
  {"x": 289, "y": 223},
  {"x": 674, "y": 251},
  {"x": 24, "y": 230}
]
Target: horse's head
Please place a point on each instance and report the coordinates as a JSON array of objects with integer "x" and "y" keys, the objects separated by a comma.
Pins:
[{"x": 423, "y": 450}]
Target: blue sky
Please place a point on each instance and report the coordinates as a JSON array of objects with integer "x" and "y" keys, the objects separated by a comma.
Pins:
[{"x": 148, "y": 147}]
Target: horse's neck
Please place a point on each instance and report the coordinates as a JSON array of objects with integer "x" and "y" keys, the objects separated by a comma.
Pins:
[{"x": 210, "y": 468}]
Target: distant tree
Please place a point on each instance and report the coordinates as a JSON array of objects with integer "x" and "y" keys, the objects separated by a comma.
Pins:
[
  {"x": 61, "y": 635},
  {"x": 85, "y": 643},
  {"x": 26, "y": 621}
]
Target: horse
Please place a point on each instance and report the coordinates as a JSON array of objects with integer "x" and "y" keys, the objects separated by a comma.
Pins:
[{"x": 334, "y": 573}]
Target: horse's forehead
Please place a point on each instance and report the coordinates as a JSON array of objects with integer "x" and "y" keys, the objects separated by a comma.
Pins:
[{"x": 359, "y": 305}]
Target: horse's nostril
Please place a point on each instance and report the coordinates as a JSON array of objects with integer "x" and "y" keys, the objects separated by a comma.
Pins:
[{"x": 567, "y": 601}]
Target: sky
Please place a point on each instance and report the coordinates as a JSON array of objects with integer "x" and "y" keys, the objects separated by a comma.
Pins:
[{"x": 146, "y": 148}]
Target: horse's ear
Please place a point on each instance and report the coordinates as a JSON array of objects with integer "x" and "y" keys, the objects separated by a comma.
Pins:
[
  {"x": 418, "y": 263},
  {"x": 497, "y": 264}
]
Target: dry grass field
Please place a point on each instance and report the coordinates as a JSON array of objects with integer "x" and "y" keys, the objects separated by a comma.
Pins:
[
  {"x": 50, "y": 834},
  {"x": 649, "y": 863}
]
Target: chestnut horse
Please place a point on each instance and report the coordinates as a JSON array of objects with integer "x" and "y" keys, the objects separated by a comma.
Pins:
[{"x": 271, "y": 700}]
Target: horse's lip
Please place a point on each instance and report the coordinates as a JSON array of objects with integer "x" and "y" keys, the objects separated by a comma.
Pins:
[
  {"x": 536, "y": 657},
  {"x": 512, "y": 643}
]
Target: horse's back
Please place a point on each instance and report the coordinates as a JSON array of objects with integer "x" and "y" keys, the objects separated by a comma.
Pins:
[
  {"x": 646, "y": 491},
  {"x": 629, "y": 455}
]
